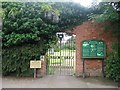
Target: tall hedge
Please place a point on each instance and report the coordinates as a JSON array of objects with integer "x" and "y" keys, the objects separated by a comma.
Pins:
[
  {"x": 16, "y": 60},
  {"x": 24, "y": 36}
]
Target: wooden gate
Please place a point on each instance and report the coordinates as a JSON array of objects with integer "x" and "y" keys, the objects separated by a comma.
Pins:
[{"x": 61, "y": 56}]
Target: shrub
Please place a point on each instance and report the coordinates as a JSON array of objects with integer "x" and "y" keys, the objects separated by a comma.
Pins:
[
  {"x": 15, "y": 60},
  {"x": 113, "y": 64}
]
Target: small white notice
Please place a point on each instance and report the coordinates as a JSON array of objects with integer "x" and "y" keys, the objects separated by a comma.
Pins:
[{"x": 35, "y": 64}]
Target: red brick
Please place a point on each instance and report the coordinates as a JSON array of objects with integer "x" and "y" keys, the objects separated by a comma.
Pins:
[{"x": 87, "y": 31}]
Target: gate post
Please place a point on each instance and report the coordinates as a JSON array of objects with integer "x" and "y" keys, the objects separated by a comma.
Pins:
[{"x": 42, "y": 71}]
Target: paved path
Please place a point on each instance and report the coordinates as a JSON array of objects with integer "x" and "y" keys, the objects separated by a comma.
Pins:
[{"x": 57, "y": 82}]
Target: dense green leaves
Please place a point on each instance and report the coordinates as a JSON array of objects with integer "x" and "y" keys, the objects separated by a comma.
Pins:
[
  {"x": 71, "y": 15},
  {"x": 113, "y": 63},
  {"x": 108, "y": 13},
  {"x": 26, "y": 33},
  {"x": 23, "y": 21},
  {"x": 15, "y": 60}
]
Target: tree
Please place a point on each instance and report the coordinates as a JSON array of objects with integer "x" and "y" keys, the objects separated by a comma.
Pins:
[{"x": 108, "y": 12}]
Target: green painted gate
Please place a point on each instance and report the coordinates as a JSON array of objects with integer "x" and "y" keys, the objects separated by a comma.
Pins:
[{"x": 61, "y": 56}]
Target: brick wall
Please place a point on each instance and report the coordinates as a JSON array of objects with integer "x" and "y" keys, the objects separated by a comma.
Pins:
[{"x": 87, "y": 31}]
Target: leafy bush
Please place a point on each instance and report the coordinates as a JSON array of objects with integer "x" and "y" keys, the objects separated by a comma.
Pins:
[
  {"x": 24, "y": 35},
  {"x": 16, "y": 60},
  {"x": 113, "y": 64}
]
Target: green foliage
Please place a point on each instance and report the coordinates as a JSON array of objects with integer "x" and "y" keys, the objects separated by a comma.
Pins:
[
  {"x": 23, "y": 23},
  {"x": 46, "y": 7},
  {"x": 107, "y": 13},
  {"x": 71, "y": 15},
  {"x": 16, "y": 60},
  {"x": 113, "y": 63},
  {"x": 25, "y": 29},
  {"x": 57, "y": 47}
]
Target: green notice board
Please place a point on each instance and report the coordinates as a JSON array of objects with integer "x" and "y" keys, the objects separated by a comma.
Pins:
[{"x": 93, "y": 49}]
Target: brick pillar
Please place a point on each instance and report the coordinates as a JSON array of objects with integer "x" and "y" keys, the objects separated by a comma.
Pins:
[
  {"x": 42, "y": 71},
  {"x": 79, "y": 66}
]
